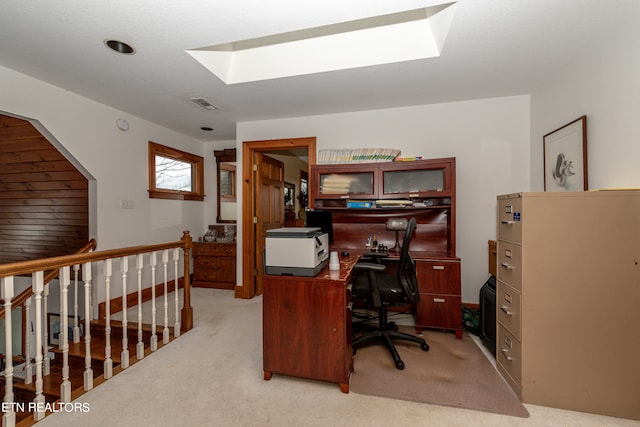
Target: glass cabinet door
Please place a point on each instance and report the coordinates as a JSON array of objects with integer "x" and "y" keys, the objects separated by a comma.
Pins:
[
  {"x": 346, "y": 184},
  {"x": 413, "y": 183}
]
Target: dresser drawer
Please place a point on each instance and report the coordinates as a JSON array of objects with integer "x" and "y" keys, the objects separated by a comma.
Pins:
[
  {"x": 510, "y": 264},
  {"x": 206, "y": 274},
  {"x": 509, "y": 225},
  {"x": 205, "y": 261},
  {"x": 214, "y": 249},
  {"x": 509, "y": 356},
  {"x": 509, "y": 308}
]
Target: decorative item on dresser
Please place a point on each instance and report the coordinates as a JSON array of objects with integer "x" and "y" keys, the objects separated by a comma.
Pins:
[
  {"x": 566, "y": 299},
  {"x": 424, "y": 189}
]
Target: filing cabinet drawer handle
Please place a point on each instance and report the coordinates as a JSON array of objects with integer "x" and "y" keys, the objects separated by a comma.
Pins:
[
  {"x": 507, "y": 266},
  {"x": 349, "y": 287},
  {"x": 505, "y": 222},
  {"x": 506, "y": 310},
  {"x": 438, "y": 267},
  {"x": 439, "y": 300},
  {"x": 505, "y": 352},
  {"x": 350, "y": 306}
]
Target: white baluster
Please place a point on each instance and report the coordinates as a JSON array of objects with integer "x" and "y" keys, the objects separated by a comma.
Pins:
[
  {"x": 65, "y": 280},
  {"x": 108, "y": 362},
  {"x": 8, "y": 417},
  {"x": 76, "y": 327},
  {"x": 37, "y": 286},
  {"x": 28, "y": 367},
  {"x": 88, "y": 370},
  {"x": 153, "y": 344},
  {"x": 176, "y": 326},
  {"x": 140, "y": 345},
  {"x": 46, "y": 362},
  {"x": 165, "y": 331},
  {"x": 124, "y": 355}
]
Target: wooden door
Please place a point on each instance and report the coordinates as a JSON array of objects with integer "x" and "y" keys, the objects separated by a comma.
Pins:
[{"x": 269, "y": 205}]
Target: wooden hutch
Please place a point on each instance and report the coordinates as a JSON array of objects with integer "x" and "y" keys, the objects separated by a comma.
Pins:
[{"x": 363, "y": 196}]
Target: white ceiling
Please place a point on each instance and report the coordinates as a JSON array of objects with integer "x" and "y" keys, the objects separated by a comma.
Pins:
[{"x": 494, "y": 48}]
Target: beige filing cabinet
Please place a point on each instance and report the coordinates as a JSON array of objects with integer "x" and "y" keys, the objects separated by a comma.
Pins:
[{"x": 568, "y": 299}]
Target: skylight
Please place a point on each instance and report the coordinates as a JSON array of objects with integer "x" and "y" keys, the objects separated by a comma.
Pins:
[{"x": 398, "y": 37}]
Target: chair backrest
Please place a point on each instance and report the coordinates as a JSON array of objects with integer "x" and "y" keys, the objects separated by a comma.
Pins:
[{"x": 407, "y": 266}]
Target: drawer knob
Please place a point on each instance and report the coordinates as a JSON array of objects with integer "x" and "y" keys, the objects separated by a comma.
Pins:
[
  {"x": 438, "y": 267},
  {"x": 438, "y": 300},
  {"x": 506, "y": 310},
  {"x": 505, "y": 352},
  {"x": 507, "y": 266},
  {"x": 505, "y": 222}
]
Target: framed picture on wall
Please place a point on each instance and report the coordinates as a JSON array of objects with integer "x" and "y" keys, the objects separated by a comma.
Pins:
[{"x": 565, "y": 157}]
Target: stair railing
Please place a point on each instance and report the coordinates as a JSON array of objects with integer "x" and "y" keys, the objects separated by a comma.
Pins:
[{"x": 87, "y": 261}]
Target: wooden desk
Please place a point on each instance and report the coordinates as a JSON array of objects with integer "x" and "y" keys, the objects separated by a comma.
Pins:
[{"x": 307, "y": 330}]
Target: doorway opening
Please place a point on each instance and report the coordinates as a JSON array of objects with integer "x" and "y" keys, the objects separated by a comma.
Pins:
[{"x": 251, "y": 271}]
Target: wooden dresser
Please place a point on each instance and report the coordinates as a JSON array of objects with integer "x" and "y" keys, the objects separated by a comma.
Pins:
[
  {"x": 567, "y": 299},
  {"x": 214, "y": 265}
]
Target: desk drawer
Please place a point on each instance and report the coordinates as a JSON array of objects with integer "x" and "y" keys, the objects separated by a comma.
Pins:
[
  {"x": 510, "y": 264},
  {"x": 439, "y": 311},
  {"x": 509, "y": 308},
  {"x": 438, "y": 277}
]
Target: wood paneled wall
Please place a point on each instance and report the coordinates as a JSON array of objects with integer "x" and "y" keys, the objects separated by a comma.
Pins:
[{"x": 43, "y": 198}]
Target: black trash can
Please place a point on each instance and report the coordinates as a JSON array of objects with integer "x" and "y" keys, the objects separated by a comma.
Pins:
[{"x": 488, "y": 315}]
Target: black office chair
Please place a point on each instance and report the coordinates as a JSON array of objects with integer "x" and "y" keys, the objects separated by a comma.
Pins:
[{"x": 383, "y": 290}]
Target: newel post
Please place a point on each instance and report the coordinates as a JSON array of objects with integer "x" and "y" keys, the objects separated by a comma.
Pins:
[{"x": 187, "y": 310}]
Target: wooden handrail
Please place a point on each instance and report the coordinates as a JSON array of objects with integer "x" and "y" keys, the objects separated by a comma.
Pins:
[
  {"x": 55, "y": 263},
  {"x": 26, "y": 294},
  {"x": 45, "y": 264}
]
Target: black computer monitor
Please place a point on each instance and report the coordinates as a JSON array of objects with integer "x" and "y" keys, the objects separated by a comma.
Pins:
[{"x": 322, "y": 219}]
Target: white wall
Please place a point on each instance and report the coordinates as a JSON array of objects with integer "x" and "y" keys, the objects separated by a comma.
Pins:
[
  {"x": 489, "y": 138},
  {"x": 116, "y": 159},
  {"x": 604, "y": 86}
]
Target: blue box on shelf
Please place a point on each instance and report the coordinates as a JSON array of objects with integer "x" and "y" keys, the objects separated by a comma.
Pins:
[{"x": 360, "y": 204}]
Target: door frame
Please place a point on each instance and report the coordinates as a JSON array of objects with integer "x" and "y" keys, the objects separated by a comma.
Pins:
[{"x": 249, "y": 148}]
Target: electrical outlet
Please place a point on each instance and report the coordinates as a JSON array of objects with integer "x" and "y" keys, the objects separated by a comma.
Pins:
[{"x": 126, "y": 204}]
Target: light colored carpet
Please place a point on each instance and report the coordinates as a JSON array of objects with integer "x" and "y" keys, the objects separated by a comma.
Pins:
[
  {"x": 452, "y": 373},
  {"x": 212, "y": 376}
]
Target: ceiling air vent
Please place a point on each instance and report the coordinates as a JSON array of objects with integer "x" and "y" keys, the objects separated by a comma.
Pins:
[{"x": 204, "y": 104}]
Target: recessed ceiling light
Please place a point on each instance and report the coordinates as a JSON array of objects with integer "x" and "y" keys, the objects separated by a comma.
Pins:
[
  {"x": 120, "y": 47},
  {"x": 206, "y": 128}
]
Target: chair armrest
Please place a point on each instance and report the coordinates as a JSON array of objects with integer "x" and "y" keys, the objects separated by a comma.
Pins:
[
  {"x": 371, "y": 269},
  {"x": 369, "y": 266}
]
